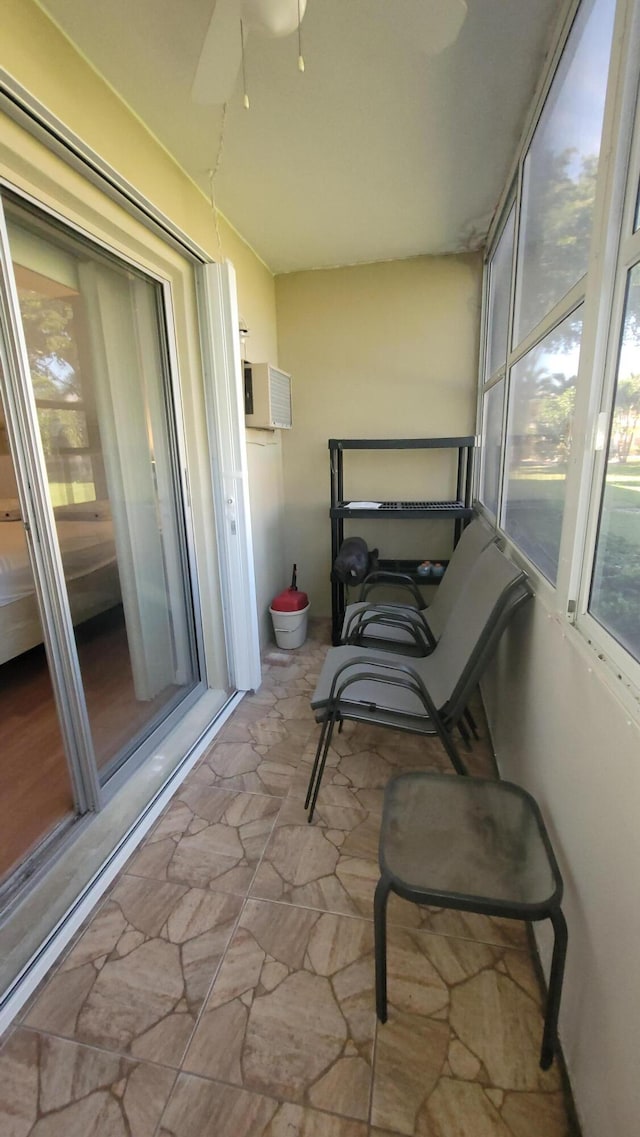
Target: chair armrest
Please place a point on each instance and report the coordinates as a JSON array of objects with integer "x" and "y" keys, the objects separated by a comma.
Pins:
[
  {"x": 397, "y": 579},
  {"x": 402, "y": 675},
  {"x": 365, "y": 621}
]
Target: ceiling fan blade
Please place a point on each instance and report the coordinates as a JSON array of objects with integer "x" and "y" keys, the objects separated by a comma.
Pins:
[
  {"x": 221, "y": 54},
  {"x": 273, "y": 17},
  {"x": 439, "y": 23}
]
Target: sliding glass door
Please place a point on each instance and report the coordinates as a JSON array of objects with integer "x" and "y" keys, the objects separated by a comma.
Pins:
[
  {"x": 96, "y": 581},
  {"x": 95, "y": 338}
]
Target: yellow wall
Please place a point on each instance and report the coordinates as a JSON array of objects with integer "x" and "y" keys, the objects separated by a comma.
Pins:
[
  {"x": 35, "y": 53},
  {"x": 381, "y": 350},
  {"x": 365, "y": 344}
]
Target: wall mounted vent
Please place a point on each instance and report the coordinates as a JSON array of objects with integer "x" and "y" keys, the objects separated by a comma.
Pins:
[{"x": 267, "y": 397}]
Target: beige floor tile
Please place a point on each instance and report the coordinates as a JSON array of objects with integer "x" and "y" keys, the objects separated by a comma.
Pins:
[
  {"x": 282, "y": 1043},
  {"x": 265, "y": 762},
  {"x": 381, "y": 1133},
  {"x": 359, "y": 765},
  {"x": 362, "y": 759},
  {"x": 55, "y": 1088},
  {"x": 291, "y": 1014},
  {"x": 200, "y": 1108},
  {"x": 330, "y": 864},
  {"x": 463, "y": 1109},
  {"x": 462, "y": 925},
  {"x": 137, "y": 978},
  {"x": 459, "y": 1053},
  {"x": 208, "y": 838},
  {"x": 260, "y": 747},
  {"x": 240, "y": 766}
]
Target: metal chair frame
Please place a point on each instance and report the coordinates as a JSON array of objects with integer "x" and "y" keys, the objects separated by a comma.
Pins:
[
  {"x": 488, "y": 906},
  {"x": 420, "y": 637},
  {"x": 436, "y": 721},
  {"x": 361, "y": 621},
  {"x": 338, "y": 710}
]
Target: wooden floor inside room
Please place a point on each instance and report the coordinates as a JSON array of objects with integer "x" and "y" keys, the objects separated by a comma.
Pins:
[
  {"x": 35, "y": 791},
  {"x": 35, "y": 788}
]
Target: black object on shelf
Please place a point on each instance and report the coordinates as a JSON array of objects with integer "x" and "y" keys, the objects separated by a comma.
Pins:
[{"x": 458, "y": 508}]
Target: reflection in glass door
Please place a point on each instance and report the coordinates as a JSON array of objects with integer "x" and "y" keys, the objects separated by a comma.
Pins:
[
  {"x": 96, "y": 344},
  {"x": 35, "y": 786}
]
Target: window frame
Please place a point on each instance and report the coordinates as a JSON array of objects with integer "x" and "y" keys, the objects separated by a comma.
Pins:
[
  {"x": 626, "y": 666},
  {"x": 501, "y": 375},
  {"x": 545, "y": 328},
  {"x": 511, "y": 199},
  {"x": 602, "y": 290},
  {"x": 577, "y": 295},
  {"x": 491, "y": 386}
]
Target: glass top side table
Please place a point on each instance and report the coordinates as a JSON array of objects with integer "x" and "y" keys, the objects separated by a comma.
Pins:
[{"x": 475, "y": 845}]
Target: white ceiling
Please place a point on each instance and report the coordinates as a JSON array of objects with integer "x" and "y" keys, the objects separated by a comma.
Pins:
[{"x": 378, "y": 151}]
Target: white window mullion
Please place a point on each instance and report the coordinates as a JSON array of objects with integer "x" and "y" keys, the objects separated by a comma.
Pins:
[
  {"x": 613, "y": 225},
  {"x": 568, "y": 304},
  {"x": 563, "y": 152}
]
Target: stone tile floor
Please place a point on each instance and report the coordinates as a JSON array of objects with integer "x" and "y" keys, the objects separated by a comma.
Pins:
[{"x": 224, "y": 985}]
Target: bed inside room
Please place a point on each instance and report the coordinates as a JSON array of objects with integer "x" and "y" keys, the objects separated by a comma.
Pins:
[{"x": 85, "y": 533}]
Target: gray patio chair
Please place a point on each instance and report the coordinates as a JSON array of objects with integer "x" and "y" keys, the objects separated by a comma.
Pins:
[
  {"x": 474, "y": 845},
  {"x": 409, "y": 629},
  {"x": 421, "y": 696},
  {"x": 413, "y": 629}
]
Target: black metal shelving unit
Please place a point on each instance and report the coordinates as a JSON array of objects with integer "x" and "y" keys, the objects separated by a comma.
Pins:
[{"x": 458, "y": 508}]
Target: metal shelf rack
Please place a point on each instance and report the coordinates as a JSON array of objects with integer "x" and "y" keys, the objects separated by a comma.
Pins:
[{"x": 458, "y": 508}]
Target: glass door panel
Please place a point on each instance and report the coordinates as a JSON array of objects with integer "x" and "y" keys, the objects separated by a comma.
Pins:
[
  {"x": 35, "y": 785},
  {"x": 96, "y": 342}
]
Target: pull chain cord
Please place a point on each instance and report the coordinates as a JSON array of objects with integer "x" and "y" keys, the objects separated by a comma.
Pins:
[
  {"x": 300, "y": 55},
  {"x": 212, "y": 181},
  {"x": 245, "y": 100}
]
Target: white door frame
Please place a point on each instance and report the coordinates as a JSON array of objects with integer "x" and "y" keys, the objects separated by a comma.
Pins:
[{"x": 224, "y": 396}]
